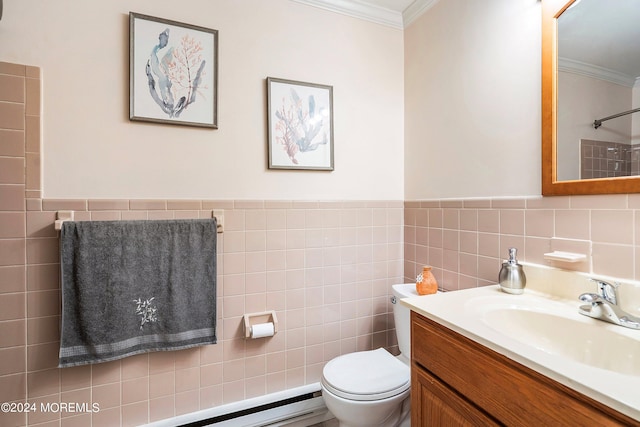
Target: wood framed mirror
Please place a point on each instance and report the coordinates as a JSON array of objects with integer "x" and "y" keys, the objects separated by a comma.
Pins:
[{"x": 571, "y": 128}]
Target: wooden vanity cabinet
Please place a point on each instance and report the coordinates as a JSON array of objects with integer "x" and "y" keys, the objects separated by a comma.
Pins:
[
  {"x": 458, "y": 382},
  {"x": 436, "y": 404}
]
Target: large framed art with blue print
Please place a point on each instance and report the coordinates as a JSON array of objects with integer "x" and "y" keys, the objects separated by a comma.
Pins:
[{"x": 173, "y": 72}]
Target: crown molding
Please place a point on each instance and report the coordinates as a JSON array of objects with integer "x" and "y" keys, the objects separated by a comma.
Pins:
[
  {"x": 360, "y": 10},
  {"x": 415, "y": 10},
  {"x": 596, "y": 72},
  {"x": 369, "y": 12}
]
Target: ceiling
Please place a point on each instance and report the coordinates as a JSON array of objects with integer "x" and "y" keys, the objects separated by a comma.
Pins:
[{"x": 392, "y": 13}]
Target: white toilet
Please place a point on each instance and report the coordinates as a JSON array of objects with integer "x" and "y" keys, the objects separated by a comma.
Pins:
[{"x": 371, "y": 388}]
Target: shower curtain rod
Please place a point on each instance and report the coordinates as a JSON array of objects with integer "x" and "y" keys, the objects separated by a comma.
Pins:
[{"x": 598, "y": 123}]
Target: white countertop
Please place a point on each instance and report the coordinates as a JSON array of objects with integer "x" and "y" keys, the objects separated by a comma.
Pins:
[{"x": 463, "y": 312}]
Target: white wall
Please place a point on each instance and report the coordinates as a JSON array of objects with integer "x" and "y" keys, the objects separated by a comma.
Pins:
[
  {"x": 581, "y": 100},
  {"x": 472, "y": 100},
  {"x": 92, "y": 150}
]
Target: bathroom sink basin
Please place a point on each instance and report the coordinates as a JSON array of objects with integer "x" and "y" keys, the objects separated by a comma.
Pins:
[{"x": 573, "y": 338}]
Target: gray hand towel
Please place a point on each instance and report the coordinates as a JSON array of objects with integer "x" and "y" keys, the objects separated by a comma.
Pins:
[{"x": 130, "y": 287}]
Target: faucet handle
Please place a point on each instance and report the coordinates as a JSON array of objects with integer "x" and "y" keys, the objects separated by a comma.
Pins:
[
  {"x": 607, "y": 290},
  {"x": 591, "y": 298}
]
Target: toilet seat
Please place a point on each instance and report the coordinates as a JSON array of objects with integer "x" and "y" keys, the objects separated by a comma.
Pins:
[{"x": 366, "y": 376}]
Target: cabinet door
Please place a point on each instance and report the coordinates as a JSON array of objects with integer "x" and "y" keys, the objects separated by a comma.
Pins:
[{"x": 434, "y": 404}]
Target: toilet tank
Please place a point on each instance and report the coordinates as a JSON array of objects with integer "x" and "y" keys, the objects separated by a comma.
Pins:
[{"x": 402, "y": 316}]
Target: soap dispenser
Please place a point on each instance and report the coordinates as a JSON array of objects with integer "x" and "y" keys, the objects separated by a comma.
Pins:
[{"x": 512, "y": 279}]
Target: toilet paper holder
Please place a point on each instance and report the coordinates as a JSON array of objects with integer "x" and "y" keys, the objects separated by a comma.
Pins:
[{"x": 251, "y": 319}]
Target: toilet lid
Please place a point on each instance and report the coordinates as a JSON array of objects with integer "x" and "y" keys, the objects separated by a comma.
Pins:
[{"x": 366, "y": 375}]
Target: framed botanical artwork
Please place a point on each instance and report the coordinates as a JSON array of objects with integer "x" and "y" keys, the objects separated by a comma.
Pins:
[
  {"x": 300, "y": 117},
  {"x": 173, "y": 72}
]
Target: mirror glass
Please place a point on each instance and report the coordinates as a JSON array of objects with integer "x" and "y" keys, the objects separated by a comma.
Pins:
[
  {"x": 598, "y": 66},
  {"x": 590, "y": 63}
]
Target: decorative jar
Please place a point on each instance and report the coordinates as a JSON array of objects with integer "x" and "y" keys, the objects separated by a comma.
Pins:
[{"x": 426, "y": 282}]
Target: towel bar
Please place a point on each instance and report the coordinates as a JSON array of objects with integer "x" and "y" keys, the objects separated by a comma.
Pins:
[{"x": 62, "y": 216}]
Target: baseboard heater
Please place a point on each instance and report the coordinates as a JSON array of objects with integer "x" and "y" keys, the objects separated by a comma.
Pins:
[{"x": 298, "y": 407}]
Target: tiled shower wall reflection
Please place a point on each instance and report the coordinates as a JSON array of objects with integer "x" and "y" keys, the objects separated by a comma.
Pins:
[
  {"x": 325, "y": 267},
  {"x": 602, "y": 159}
]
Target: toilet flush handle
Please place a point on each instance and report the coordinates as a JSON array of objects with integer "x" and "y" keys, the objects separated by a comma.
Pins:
[{"x": 394, "y": 299}]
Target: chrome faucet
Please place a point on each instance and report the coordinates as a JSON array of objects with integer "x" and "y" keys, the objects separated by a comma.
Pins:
[
  {"x": 607, "y": 290},
  {"x": 604, "y": 306}
]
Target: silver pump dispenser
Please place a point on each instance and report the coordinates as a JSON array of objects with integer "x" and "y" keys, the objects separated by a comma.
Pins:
[{"x": 512, "y": 278}]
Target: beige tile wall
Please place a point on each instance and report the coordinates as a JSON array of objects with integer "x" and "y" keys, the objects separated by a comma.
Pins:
[
  {"x": 19, "y": 144},
  {"x": 467, "y": 240},
  {"x": 326, "y": 267}
]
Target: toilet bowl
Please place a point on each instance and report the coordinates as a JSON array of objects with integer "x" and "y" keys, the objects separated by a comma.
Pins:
[
  {"x": 371, "y": 388},
  {"x": 366, "y": 388}
]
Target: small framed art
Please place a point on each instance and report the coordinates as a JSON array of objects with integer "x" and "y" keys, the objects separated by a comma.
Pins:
[
  {"x": 173, "y": 72},
  {"x": 300, "y": 117}
]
